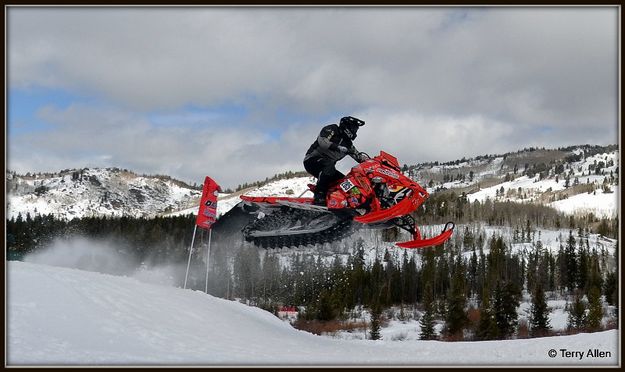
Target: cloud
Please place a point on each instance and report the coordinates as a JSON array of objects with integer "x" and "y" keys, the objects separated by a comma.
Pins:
[
  {"x": 457, "y": 60},
  {"x": 104, "y": 136},
  {"x": 83, "y": 135},
  {"x": 432, "y": 83}
]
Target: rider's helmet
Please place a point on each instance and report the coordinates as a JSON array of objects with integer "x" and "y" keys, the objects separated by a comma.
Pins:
[{"x": 350, "y": 126}]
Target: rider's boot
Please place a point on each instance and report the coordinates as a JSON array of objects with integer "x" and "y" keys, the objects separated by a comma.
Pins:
[{"x": 320, "y": 198}]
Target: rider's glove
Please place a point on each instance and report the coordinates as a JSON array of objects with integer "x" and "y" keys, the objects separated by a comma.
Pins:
[{"x": 343, "y": 149}]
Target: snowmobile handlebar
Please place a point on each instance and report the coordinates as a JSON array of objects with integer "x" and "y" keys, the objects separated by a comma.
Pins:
[{"x": 362, "y": 156}]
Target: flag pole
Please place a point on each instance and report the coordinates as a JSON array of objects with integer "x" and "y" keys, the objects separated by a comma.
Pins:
[
  {"x": 189, "y": 262},
  {"x": 208, "y": 256}
]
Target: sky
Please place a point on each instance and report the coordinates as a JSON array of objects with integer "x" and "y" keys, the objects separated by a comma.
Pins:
[{"x": 240, "y": 93}]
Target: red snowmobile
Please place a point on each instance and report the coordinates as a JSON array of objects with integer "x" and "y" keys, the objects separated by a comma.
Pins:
[{"x": 374, "y": 194}]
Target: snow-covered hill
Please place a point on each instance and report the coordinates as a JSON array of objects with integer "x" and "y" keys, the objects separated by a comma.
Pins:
[
  {"x": 576, "y": 181},
  {"x": 583, "y": 192},
  {"x": 568, "y": 181},
  {"x": 62, "y": 316},
  {"x": 295, "y": 186},
  {"x": 97, "y": 192}
]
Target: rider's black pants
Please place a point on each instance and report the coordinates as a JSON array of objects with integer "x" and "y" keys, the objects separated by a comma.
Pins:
[{"x": 325, "y": 171}]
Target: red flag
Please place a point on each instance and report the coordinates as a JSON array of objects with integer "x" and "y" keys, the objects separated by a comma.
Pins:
[{"x": 207, "y": 214}]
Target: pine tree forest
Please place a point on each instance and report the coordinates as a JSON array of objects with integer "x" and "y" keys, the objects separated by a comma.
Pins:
[{"x": 472, "y": 285}]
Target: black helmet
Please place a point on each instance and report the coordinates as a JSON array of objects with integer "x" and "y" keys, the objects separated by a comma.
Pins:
[{"x": 350, "y": 125}]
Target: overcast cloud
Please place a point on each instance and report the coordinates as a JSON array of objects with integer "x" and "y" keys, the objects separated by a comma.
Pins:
[{"x": 240, "y": 93}]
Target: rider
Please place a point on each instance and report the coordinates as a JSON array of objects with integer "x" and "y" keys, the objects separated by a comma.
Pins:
[{"x": 332, "y": 144}]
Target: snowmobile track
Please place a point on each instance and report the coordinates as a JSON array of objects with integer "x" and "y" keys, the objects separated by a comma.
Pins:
[{"x": 280, "y": 228}]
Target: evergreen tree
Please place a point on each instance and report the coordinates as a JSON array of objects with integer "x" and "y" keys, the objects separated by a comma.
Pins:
[
  {"x": 505, "y": 304},
  {"x": 410, "y": 280},
  {"x": 582, "y": 269},
  {"x": 539, "y": 313},
  {"x": 595, "y": 309},
  {"x": 473, "y": 273},
  {"x": 427, "y": 319},
  {"x": 577, "y": 314},
  {"x": 325, "y": 308},
  {"x": 551, "y": 276},
  {"x": 456, "y": 317},
  {"x": 570, "y": 258},
  {"x": 561, "y": 278},
  {"x": 487, "y": 326},
  {"x": 611, "y": 288},
  {"x": 376, "y": 314}
]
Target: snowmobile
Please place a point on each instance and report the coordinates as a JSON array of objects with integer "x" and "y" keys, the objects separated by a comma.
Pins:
[{"x": 374, "y": 194}]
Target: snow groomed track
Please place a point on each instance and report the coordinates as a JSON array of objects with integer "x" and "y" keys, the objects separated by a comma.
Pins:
[{"x": 60, "y": 316}]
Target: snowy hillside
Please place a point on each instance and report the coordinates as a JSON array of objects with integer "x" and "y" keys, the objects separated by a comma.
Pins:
[
  {"x": 292, "y": 187},
  {"x": 574, "y": 198},
  {"x": 61, "y": 316},
  {"x": 568, "y": 181},
  {"x": 97, "y": 192},
  {"x": 587, "y": 185}
]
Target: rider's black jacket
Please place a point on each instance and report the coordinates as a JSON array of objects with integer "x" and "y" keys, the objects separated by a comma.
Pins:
[{"x": 328, "y": 142}]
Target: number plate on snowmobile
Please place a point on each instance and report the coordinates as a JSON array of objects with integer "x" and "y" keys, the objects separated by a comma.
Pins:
[{"x": 347, "y": 185}]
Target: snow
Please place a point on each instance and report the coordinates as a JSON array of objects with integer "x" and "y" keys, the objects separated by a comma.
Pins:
[
  {"x": 98, "y": 192},
  {"x": 68, "y": 198},
  {"x": 64, "y": 316},
  {"x": 601, "y": 204},
  {"x": 292, "y": 187},
  {"x": 226, "y": 203},
  {"x": 287, "y": 187},
  {"x": 489, "y": 167},
  {"x": 551, "y": 239},
  {"x": 525, "y": 183}
]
